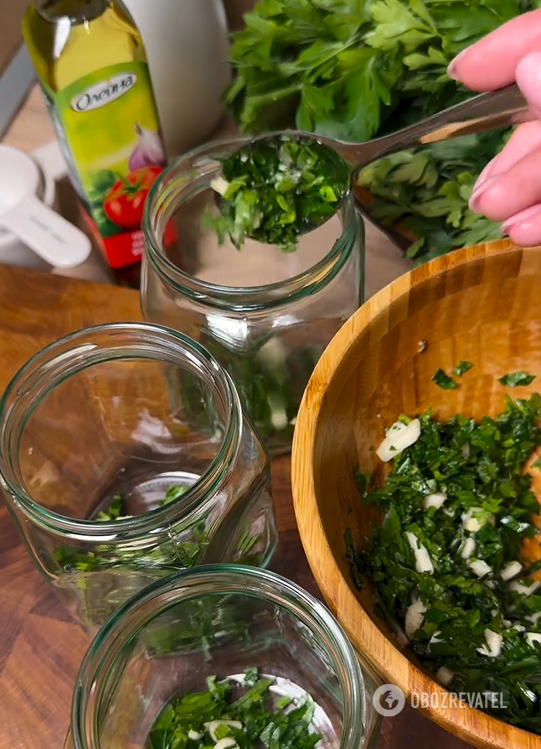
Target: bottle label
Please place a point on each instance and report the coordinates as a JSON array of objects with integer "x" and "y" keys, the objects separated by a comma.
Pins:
[{"x": 108, "y": 127}]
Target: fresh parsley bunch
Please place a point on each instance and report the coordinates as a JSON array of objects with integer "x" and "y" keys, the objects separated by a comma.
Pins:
[
  {"x": 356, "y": 69},
  {"x": 426, "y": 190}
]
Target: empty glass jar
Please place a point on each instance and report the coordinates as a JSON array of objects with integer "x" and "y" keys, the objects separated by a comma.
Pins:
[
  {"x": 219, "y": 621},
  {"x": 125, "y": 456},
  {"x": 264, "y": 314}
]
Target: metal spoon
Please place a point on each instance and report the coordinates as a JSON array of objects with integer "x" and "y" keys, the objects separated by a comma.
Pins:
[{"x": 485, "y": 112}]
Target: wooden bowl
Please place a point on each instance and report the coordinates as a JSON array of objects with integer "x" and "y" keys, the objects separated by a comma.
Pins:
[{"x": 482, "y": 304}]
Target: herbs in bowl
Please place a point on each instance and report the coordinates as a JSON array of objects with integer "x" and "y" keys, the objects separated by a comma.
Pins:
[
  {"x": 455, "y": 558},
  {"x": 242, "y": 712},
  {"x": 275, "y": 189}
]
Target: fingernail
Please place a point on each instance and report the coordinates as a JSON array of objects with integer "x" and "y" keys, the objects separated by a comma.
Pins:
[
  {"x": 521, "y": 218},
  {"x": 528, "y": 77},
  {"x": 485, "y": 174},
  {"x": 478, "y": 191},
  {"x": 451, "y": 70}
]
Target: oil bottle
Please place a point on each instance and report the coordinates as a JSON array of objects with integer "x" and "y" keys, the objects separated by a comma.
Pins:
[{"x": 91, "y": 63}]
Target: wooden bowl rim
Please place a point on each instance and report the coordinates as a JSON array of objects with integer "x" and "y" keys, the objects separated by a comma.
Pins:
[{"x": 468, "y": 723}]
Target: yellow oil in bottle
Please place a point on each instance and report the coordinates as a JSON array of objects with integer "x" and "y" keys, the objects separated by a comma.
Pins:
[{"x": 91, "y": 63}]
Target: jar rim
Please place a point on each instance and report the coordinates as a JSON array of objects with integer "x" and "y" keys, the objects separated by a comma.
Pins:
[
  {"x": 236, "y": 298},
  {"x": 72, "y": 354},
  {"x": 225, "y": 579}
]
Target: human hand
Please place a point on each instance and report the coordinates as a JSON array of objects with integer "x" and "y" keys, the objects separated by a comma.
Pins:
[{"x": 508, "y": 190}]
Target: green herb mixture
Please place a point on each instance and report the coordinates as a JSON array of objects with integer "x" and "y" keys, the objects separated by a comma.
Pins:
[
  {"x": 214, "y": 719},
  {"x": 276, "y": 189},
  {"x": 449, "y": 562},
  {"x": 171, "y": 555},
  {"x": 270, "y": 376},
  {"x": 356, "y": 69}
]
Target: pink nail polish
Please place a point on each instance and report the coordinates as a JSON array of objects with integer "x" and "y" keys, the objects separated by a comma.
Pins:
[
  {"x": 479, "y": 191},
  {"x": 451, "y": 70},
  {"x": 485, "y": 174}
]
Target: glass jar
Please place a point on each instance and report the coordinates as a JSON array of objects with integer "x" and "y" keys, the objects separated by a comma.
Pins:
[
  {"x": 219, "y": 621},
  {"x": 113, "y": 481},
  {"x": 264, "y": 314}
]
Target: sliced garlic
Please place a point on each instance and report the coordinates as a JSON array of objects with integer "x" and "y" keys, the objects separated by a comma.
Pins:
[
  {"x": 525, "y": 590},
  {"x": 415, "y": 615},
  {"x": 468, "y": 548},
  {"x": 475, "y": 518},
  {"x": 423, "y": 563},
  {"x": 398, "y": 438},
  {"x": 435, "y": 500},
  {"x": 532, "y": 638},
  {"x": 480, "y": 568},
  {"x": 215, "y": 724},
  {"x": 226, "y": 743},
  {"x": 511, "y": 570},
  {"x": 444, "y": 675},
  {"x": 220, "y": 185},
  {"x": 493, "y": 646}
]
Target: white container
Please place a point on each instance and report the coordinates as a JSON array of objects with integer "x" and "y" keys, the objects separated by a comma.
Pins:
[
  {"x": 187, "y": 45},
  {"x": 32, "y": 233}
]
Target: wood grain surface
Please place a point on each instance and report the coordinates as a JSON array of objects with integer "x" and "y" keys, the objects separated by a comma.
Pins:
[
  {"x": 481, "y": 305},
  {"x": 40, "y": 646}
]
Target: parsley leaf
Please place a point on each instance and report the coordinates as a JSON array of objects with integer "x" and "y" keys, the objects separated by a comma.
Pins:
[
  {"x": 113, "y": 512},
  {"x": 516, "y": 379},
  {"x": 462, "y": 367},
  {"x": 443, "y": 380}
]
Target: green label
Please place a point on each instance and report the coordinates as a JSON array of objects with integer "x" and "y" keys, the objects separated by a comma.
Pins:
[{"x": 109, "y": 127}]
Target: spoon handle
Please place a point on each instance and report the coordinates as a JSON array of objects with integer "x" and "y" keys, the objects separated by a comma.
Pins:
[{"x": 485, "y": 112}]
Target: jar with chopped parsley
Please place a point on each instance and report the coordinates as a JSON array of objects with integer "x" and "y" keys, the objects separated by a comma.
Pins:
[
  {"x": 255, "y": 249},
  {"x": 221, "y": 657},
  {"x": 115, "y": 480}
]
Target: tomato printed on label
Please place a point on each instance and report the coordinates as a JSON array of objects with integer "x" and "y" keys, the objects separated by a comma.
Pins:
[{"x": 124, "y": 203}]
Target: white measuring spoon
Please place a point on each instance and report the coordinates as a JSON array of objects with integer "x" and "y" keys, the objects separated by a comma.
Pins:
[{"x": 48, "y": 234}]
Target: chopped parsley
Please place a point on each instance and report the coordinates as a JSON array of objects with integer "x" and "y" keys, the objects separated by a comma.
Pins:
[
  {"x": 515, "y": 379},
  {"x": 443, "y": 381},
  {"x": 214, "y": 718},
  {"x": 276, "y": 189},
  {"x": 270, "y": 377},
  {"x": 173, "y": 555},
  {"x": 462, "y": 367},
  {"x": 448, "y": 562},
  {"x": 113, "y": 512}
]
